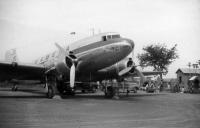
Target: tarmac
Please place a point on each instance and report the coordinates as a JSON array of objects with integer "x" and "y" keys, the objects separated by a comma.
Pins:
[{"x": 29, "y": 108}]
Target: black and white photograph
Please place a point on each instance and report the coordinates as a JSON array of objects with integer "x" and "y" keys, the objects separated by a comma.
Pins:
[{"x": 99, "y": 63}]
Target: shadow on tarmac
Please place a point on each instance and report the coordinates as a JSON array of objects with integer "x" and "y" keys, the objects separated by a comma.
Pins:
[{"x": 36, "y": 93}]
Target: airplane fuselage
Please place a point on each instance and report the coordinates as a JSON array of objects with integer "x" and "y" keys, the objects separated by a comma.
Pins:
[{"x": 94, "y": 54}]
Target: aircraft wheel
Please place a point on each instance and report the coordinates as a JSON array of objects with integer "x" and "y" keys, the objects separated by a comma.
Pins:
[
  {"x": 66, "y": 90},
  {"x": 72, "y": 93}
]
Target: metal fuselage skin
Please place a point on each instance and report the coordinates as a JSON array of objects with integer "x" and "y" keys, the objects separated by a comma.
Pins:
[{"x": 93, "y": 56}]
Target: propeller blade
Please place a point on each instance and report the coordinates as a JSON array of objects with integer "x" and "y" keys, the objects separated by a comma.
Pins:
[
  {"x": 72, "y": 75},
  {"x": 124, "y": 71},
  {"x": 62, "y": 52}
]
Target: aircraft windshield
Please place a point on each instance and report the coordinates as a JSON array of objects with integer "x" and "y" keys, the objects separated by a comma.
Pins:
[
  {"x": 115, "y": 36},
  {"x": 109, "y": 37}
]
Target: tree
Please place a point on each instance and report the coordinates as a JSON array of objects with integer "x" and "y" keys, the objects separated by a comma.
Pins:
[{"x": 158, "y": 56}]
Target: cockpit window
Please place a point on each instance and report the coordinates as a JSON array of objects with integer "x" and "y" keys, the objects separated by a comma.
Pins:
[
  {"x": 109, "y": 37},
  {"x": 104, "y": 38},
  {"x": 115, "y": 36}
]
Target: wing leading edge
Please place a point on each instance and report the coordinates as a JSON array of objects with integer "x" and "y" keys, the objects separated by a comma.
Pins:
[{"x": 21, "y": 71}]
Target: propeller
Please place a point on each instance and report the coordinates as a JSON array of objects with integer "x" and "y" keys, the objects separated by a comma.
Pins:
[
  {"x": 72, "y": 75},
  {"x": 131, "y": 69},
  {"x": 130, "y": 65},
  {"x": 70, "y": 60},
  {"x": 124, "y": 71}
]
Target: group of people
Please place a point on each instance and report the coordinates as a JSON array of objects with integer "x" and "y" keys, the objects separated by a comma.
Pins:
[{"x": 153, "y": 86}]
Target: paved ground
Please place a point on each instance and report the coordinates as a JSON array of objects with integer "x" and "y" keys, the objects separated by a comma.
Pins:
[{"x": 29, "y": 108}]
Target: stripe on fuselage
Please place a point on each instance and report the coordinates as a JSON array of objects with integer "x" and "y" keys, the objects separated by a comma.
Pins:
[{"x": 96, "y": 45}]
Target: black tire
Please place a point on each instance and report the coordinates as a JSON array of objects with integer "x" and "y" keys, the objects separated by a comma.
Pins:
[{"x": 72, "y": 93}]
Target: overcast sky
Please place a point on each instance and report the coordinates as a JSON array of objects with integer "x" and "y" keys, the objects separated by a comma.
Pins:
[{"x": 32, "y": 26}]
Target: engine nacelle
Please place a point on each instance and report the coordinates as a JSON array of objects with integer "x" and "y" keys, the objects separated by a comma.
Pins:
[
  {"x": 124, "y": 65},
  {"x": 62, "y": 68},
  {"x": 69, "y": 60},
  {"x": 130, "y": 63}
]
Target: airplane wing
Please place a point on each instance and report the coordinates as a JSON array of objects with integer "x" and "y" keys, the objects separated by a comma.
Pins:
[
  {"x": 21, "y": 71},
  {"x": 137, "y": 72},
  {"x": 134, "y": 72}
]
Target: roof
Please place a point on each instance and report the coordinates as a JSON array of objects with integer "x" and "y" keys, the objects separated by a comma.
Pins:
[
  {"x": 193, "y": 78},
  {"x": 189, "y": 70}
]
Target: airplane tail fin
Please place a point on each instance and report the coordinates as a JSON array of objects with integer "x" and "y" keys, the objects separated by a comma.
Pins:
[{"x": 11, "y": 55}]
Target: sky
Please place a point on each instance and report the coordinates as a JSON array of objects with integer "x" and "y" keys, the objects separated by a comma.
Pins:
[{"x": 33, "y": 26}]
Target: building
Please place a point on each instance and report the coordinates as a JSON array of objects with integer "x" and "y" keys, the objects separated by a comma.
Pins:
[
  {"x": 169, "y": 84},
  {"x": 187, "y": 75}
]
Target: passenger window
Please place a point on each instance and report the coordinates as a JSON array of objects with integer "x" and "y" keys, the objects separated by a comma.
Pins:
[{"x": 115, "y": 36}]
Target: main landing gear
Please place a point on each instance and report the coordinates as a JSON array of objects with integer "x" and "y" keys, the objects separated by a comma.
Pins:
[
  {"x": 64, "y": 89},
  {"x": 57, "y": 87}
]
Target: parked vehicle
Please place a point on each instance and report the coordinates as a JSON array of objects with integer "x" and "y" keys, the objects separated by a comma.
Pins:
[
  {"x": 132, "y": 87},
  {"x": 150, "y": 88}
]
